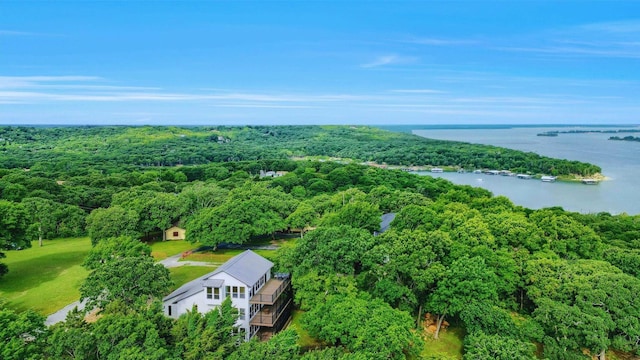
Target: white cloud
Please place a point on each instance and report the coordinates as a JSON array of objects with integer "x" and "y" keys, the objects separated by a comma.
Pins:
[
  {"x": 604, "y": 40},
  {"x": 440, "y": 41},
  {"x": 389, "y": 60},
  {"x": 618, "y": 27},
  {"x": 14, "y": 33},
  {"x": 418, "y": 91},
  {"x": 39, "y": 89},
  {"x": 611, "y": 51}
]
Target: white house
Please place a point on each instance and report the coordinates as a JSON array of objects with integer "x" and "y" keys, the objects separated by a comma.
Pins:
[{"x": 263, "y": 301}]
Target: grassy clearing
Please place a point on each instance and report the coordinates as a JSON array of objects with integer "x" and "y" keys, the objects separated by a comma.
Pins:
[
  {"x": 46, "y": 278},
  {"x": 305, "y": 341},
  {"x": 183, "y": 274},
  {"x": 219, "y": 256},
  {"x": 161, "y": 250},
  {"x": 450, "y": 343}
]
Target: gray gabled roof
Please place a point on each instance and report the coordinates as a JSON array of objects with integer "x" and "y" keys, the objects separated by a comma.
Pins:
[
  {"x": 247, "y": 267},
  {"x": 385, "y": 221},
  {"x": 214, "y": 283},
  {"x": 188, "y": 289}
]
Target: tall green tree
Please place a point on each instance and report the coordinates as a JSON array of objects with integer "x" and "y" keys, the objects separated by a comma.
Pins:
[
  {"x": 482, "y": 346},
  {"x": 13, "y": 229},
  {"x": 200, "y": 195},
  {"x": 117, "y": 248},
  {"x": 72, "y": 338},
  {"x": 402, "y": 268},
  {"x": 157, "y": 211},
  {"x": 42, "y": 220},
  {"x": 303, "y": 217},
  {"x": 112, "y": 222},
  {"x": 357, "y": 322},
  {"x": 330, "y": 250},
  {"x": 22, "y": 335},
  {"x": 127, "y": 279},
  {"x": 283, "y": 346},
  {"x": 132, "y": 333},
  {"x": 466, "y": 281},
  {"x": 359, "y": 214},
  {"x": 70, "y": 221},
  {"x": 212, "y": 335},
  {"x": 250, "y": 210}
]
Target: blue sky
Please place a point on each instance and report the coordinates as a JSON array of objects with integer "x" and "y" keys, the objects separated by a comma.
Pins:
[{"x": 319, "y": 62}]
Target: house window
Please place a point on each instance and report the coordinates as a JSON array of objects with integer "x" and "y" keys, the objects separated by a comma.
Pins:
[
  {"x": 210, "y": 293},
  {"x": 242, "y": 314},
  {"x": 253, "y": 309},
  {"x": 234, "y": 294},
  {"x": 216, "y": 293},
  {"x": 241, "y": 292},
  {"x": 175, "y": 234},
  {"x": 169, "y": 310},
  {"x": 227, "y": 290}
]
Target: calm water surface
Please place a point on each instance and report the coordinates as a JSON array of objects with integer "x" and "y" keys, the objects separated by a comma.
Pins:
[{"x": 619, "y": 160}]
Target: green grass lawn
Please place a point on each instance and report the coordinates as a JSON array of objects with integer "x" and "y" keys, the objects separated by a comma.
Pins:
[
  {"x": 449, "y": 343},
  {"x": 183, "y": 274},
  {"x": 221, "y": 255},
  {"x": 218, "y": 257},
  {"x": 46, "y": 278},
  {"x": 305, "y": 341},
  {"x": 161, "y": 250}
]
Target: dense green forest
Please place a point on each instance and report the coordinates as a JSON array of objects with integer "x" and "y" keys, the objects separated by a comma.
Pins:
[
  {"x": 65, "y": 150},
  {"x": 522, "y": 283}
]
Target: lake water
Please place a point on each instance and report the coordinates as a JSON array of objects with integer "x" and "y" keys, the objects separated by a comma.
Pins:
[{"x": 619, "y": 160}]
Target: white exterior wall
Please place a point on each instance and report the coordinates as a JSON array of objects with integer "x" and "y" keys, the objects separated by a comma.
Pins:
[
  {"x": 205, "y": 305},
  {"x": 237, "y": 302},
  {"x": 185, "y": 305}
]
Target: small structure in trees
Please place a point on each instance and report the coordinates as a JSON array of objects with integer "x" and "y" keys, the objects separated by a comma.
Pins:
[{"x": 174, "y": 233}]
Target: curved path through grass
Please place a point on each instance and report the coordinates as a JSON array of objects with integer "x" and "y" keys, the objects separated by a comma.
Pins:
[{"x": 47, "y": 279}]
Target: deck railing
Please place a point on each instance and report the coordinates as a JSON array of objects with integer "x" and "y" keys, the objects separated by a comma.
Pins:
[
  {"x": 270, "y": 297},
  {"x": 269, "y": 315}
]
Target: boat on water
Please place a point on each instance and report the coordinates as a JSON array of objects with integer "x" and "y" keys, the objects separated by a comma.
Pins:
[
  {"x": 548, "y": 178},
  {"x": 524, "y": 176},
  {"x": 590, "y": 181},
  {"x": 436, "y": 170}
]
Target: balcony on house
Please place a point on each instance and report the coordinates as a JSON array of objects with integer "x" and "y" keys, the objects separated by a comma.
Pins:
[
  {"x": 275, "y": 315},
  {"x": 275, "y": 300},
  {"x": 271, "y": 291}
]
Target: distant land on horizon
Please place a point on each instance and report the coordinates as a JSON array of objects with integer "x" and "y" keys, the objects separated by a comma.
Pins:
[{"x": 401, "y": 127}]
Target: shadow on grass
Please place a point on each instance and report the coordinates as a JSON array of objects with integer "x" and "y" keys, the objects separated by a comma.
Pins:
[
  {"x": 449, "y": 343},
  {"x": 27, "y": 274}
]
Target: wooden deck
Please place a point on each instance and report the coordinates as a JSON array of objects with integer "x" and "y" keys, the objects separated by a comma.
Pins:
[
  {"x": 269, "y": 315},
  {"x": 270, "y": 292}
]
